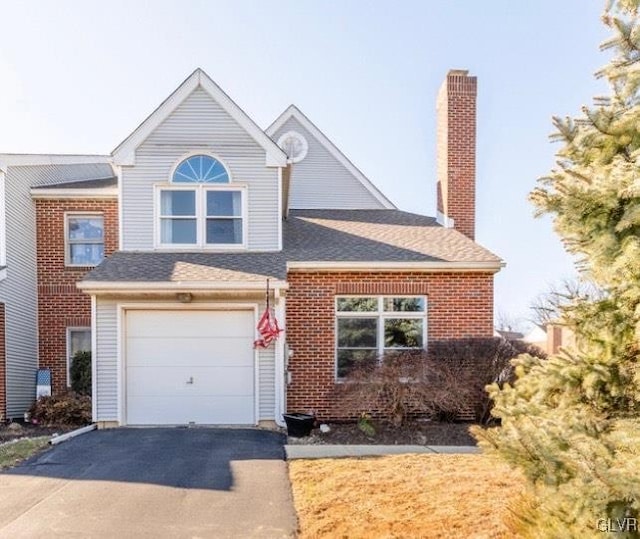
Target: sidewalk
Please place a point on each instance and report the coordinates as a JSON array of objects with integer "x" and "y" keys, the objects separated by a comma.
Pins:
[{"x": 321, "y": 451}]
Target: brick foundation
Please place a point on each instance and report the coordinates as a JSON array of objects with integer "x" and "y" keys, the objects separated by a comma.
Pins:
[
  {"x": 458, "y": 305},
  {"x": 60, "y": 303}
]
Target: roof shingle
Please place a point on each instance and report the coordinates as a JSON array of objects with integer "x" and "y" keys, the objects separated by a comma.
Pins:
[
  {"x": 308, "y": 235},
  {"x": 376, "y": 236}
]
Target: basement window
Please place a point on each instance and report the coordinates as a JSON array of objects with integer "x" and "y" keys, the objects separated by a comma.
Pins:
[{"x": 367, "y": 327}]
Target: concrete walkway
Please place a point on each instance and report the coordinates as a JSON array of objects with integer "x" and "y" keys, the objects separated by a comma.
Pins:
[{"x": 321, "y": 451}]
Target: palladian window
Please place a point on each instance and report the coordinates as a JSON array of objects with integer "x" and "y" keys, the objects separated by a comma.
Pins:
[{"x": 201, "y": 207}]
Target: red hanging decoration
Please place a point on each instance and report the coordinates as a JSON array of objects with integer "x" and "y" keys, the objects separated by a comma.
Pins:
[{"x": 267, "y": 326}]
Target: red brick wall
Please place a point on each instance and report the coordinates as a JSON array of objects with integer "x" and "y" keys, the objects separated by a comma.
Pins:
[
  {"x": 456, "y": 149},
  {"x": 3, "y": 365},
  {"x": 458, "y": 305},
  {"x": 60, "y": 303}
]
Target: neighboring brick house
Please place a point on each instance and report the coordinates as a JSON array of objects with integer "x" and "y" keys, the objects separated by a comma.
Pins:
[
  {"x": 76, "y": 227},
  {"x": 19, "y": 175},
  {"x": 207, "y": 208}
]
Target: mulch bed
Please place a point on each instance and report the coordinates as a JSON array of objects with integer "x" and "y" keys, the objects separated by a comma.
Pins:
[
  {"x": 418, "y": 433},
  {"x": 17, "y": 430}
]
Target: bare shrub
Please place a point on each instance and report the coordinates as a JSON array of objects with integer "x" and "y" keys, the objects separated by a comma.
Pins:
[
  {"x": 480, "y": 362},
  {"x": 61, "y": 410},
  {"x": 446, "y": 383},
  {"x": 399, "y": 386}
]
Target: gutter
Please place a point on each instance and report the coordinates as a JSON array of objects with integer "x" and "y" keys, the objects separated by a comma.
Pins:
[
  {"x": 56, "y": 194},
  {"x": 373, "y": 266},
  {"x": 93, "y": 287}
]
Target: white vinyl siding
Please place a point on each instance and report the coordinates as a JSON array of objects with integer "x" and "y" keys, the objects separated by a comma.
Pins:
[
  {"x": 267, "y": 382},
  {"x": 320, "y": 181},
  {"x": 19, "y": 290},
  {"x": 106, "y": 358},
  {"x": 200, "y": 124}
]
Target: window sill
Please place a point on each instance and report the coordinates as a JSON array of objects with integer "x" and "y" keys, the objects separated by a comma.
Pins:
[
  {"x": 82, "y": 266},
  {"x": 198, "y": 248}
]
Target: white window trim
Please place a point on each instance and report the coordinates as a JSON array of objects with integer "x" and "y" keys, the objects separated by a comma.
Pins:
[
  {"x": 201, "y": 219},
  {"x": 67, "y": 243},
  {"x": 381, "y": 315},
  {"x": 69, "y": 330}
]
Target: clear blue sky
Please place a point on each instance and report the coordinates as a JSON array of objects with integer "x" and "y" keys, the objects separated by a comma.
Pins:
[{"x": 78, "y": 77}]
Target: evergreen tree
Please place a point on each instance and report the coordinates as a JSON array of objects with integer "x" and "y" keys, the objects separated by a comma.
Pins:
[{"x": 571, "y": 423}]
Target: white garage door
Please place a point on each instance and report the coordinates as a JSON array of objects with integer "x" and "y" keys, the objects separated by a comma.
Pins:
[{"x": 190, "y": 366}]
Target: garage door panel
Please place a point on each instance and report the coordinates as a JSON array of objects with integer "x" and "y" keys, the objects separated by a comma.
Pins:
[
  {"x": 170, "y": 410},
  {"x": 166, "y": 351},
  {"x": 190, "y": 323},
  {"x": 157, "y": 381}
]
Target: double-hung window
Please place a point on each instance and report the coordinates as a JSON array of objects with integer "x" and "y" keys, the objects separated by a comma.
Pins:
[
  {"x": 369, "y": 327},
  {"x": 201, "y": 208},
  {"x": 84, "y": 241}
]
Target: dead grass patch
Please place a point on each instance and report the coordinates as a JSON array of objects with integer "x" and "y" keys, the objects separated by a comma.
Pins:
[
  {"x": 13, "y": 453},
  {"x": 404, "y": 496}
]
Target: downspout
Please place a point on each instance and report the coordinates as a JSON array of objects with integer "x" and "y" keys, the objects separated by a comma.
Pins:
[
  {"x": 279, "y": 359},
  {"x": 286, "y": 188}
]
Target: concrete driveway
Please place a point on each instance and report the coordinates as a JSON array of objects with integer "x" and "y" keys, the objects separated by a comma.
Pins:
[{"x": 165, "y": 482}]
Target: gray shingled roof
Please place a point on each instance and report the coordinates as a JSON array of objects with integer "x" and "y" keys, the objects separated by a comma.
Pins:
[
  {"x": 308, "y": 235},
  {"x": 174, "y": 267},
  {"x": 376, "y": 235},
  {"x": 99, "y": 183}
]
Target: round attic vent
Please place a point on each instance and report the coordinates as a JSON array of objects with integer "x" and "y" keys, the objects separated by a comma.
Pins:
[{"x": 294, "y": 145}]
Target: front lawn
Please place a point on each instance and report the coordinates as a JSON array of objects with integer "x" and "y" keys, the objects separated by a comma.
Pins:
[
  {"x": 403, "y": 496},
  {"x": 12, "y": 453}
]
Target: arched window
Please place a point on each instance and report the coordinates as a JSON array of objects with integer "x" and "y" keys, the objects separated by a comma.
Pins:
[
  {"x": 201, "y": 207},
  {"x": 200, "y": 169}
]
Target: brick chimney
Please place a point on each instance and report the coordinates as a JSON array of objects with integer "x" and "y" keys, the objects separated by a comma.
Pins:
[{"x": 456, "y": 151}]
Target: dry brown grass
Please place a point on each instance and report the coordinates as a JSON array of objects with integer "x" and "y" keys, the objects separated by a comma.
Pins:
[{"x": 403, "y": 496}]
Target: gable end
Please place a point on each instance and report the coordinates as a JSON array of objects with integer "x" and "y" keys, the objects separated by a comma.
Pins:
[{"x": 124, "y": 153}]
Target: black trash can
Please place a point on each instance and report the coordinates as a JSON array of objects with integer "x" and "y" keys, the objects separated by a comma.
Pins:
[{"x": 299, "y": 425}]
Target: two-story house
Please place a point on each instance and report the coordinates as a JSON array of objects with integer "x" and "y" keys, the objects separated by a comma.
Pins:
[{"x": 194, "y": 212}]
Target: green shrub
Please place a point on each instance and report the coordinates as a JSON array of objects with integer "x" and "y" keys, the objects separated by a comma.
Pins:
[
  {"x": 81, "y": 373},
  {"x": 365, "y": 425},
  {"x": 64, "y": 409},
  {"x": 570, "y": 423}
]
